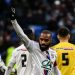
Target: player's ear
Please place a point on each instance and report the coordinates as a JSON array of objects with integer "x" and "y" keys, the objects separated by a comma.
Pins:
[
  {"x": 58, "y": 36},
  {"x": 68, "y": 36}
]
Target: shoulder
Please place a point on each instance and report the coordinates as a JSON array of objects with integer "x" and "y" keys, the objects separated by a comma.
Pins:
[
  {"x": 52, "y": 52},
  {"x": 20, "y": 48},
  {"x": 33, "y": 43},
  {"x": 55, "y": 46},
  {"x": 72, "y": 44}
]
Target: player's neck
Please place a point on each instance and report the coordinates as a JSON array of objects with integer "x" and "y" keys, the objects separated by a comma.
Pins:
[{"x": 64, "y": 40}]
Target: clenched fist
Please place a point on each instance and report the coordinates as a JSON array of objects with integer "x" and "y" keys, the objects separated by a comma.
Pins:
[{"x": 12, "y": 14}]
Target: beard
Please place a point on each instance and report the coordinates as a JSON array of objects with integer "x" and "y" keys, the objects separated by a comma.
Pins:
[{"x": 45, "y": 48}]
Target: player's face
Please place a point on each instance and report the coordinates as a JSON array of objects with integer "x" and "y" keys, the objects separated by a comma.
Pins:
[{"x": 44, "y": 41}]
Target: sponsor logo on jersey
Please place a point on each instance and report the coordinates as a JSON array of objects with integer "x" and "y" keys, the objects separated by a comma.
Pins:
[{"x": 47, "y": 64}]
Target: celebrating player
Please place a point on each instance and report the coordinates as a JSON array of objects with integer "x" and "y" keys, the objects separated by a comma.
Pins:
[
  {"x": 65, "y": 52},
  {"x": 44, "y": 58}
]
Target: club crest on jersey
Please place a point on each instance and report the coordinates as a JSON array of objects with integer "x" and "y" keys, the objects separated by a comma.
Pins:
[{"x": 47, "y": 64}]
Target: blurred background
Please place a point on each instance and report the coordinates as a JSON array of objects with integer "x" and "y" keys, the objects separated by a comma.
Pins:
[{"x": 36, "y": 15}]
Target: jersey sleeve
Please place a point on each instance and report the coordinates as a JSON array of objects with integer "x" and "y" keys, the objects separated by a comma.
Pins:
[{"x": 20, "y": 32}]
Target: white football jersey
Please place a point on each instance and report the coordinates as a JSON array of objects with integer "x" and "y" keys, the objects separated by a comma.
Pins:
[
  {"x": 20, "y": 57},
  {"x": 41, "y": 62}
]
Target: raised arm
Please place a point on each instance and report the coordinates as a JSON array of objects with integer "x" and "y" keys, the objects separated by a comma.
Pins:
[
  {"x": 20, "y": 32},
  {"x": 18, "y": 29}
]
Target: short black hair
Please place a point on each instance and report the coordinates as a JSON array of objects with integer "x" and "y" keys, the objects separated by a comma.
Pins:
[
  {"x": 63, "y": 31},
  {"x": 46, "y": 32}
]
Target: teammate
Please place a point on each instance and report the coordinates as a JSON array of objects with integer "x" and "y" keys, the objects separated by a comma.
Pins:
[
  {"x": 65, "y": 52},
  {"x": 20, "y": 57},
  {"x": 43, "y": 57}
]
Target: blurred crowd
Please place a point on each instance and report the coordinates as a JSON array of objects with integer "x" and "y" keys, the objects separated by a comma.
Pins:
[{"x": 51, "y": 13}]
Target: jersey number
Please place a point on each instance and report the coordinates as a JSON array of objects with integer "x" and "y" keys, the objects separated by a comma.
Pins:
[
  {"x": 65, "y": 59},
  {"x": 24, "y": 58}
]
